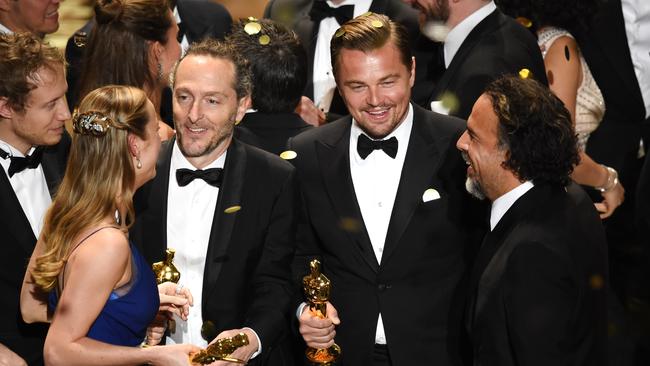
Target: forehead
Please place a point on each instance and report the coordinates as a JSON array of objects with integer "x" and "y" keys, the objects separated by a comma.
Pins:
[
  {"x": 204, "y": 72},
  {"x": 384, "y": 60},
  {"x": 49, "y": 82},
  {"x": 483, "y": 121}
]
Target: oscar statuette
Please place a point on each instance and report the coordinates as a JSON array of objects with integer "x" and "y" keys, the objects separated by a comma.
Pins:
[
  {"x": 166, "y": 271},
  {"x": 317, "y": 289},
  {"x": 221, "y": 350}
]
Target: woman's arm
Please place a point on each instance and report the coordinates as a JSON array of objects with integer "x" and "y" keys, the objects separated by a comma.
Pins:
[{"x": 93, "y": 271}]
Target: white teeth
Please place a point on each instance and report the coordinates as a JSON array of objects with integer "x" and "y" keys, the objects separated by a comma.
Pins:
[
  {"x": 52, "y": 13},
  {"x": 197, "y": 129}
]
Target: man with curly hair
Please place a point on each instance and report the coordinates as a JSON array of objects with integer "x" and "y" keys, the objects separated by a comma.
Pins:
[{"x": 538, "y": 283}]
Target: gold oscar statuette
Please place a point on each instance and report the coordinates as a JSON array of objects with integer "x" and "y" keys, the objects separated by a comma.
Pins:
[
  {"x": 317, "y": 289},
  {"x": 221, "y": 350},
  {"x": 166, "y": 271}
]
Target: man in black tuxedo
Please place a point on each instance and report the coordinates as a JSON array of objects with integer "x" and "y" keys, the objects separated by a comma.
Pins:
[
  {"x": 538, "y": 287},
  {"x": 33, "y": 153},
  {"x": 196, "y": 19},
  {"x": 481, "y": 44},
  {"x": 315, "y": 22},
  {"x": 391, "y": 227},
  {"x": 233, "y": 235},
  {"x": 279, "y": 73}
]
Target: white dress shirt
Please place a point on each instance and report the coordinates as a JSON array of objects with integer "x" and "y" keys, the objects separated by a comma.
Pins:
[
  {"x": 636, "y": 14},
  {"x": 190, "y": 211},
  {"x": 30, "y": 187},
  {"x": 324, "y": 84},
  {"x": 376, "y": 179},
  {"x": 502, "y": 204},
  {"x": 457, "y": 35}
]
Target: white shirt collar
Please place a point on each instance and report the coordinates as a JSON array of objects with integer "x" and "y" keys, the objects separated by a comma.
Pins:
[
  {"x": 502, "y": 204},
  {"x": 5, "y": 30},
  {"x": 457, "y": 35},
  {"x": 402, "y": 133},
  {"x": 180, "y": 161},
  {"x": 360, "y": 6},
  {"x": 13, "y": 151}
]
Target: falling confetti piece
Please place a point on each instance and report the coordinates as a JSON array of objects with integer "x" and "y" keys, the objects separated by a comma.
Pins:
[
  {"x": 232, "y": 209},
  {"x": 524, "y": 73},
  {"x": 525, "y": 22},
  {"x": 252, "y": 28},
  {"x": 288, "y": 155},
  {"x": 264, "y": 40}
]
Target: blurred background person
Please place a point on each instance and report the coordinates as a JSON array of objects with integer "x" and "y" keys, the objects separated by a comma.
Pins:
[
  {"x": 101, "y": 291},
  {"x": 135, "y": 43},
  {"x": 33, "y": 150},
  {"x": 278, "y": 66},
  {"x": 571, "y": 80},
  {"x": 39, "y": 17}
]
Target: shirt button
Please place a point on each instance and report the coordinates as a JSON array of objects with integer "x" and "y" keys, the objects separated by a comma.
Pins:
[{"x": 380, "y": 249}]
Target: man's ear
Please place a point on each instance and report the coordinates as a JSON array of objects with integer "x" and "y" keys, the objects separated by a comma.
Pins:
[
  {"x": 6, "y": 111},
  {"x": 244, "y": 104}
]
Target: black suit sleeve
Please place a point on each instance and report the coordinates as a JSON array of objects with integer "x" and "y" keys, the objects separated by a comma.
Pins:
[
  {"x": 271, "y": 288},
  {"x": 540, "y": 301}
]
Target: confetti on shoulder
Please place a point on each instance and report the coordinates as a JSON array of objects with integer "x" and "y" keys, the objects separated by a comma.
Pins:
[
  {"x": 232, "y": 209},
  {"x": 288, "y": 155}
]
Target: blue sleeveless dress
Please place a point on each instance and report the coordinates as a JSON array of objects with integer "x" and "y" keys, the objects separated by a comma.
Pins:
[{"x": 129, "y": 309}]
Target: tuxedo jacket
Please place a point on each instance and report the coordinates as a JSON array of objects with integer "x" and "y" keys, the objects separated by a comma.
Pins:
[
  {"x": 307, "y": 31},
  {"x": 247, "y": 274},
  {"x": 199, "y": 18},
  {"x": 17, "y": 244},
  {"x": 270, "y": 131},
  {"x": 416, "y": 287},
  {"x": 498, "y": 45},
  {"x": 539, "y": 284}
]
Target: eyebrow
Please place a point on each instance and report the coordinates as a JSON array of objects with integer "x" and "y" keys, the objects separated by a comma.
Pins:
[{"x": 364, "y": 83}]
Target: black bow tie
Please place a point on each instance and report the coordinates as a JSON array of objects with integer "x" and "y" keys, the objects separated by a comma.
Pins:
[
  {"x": 212, "y": 176},
  {"x": 365, "y": 146},
  {"x": 320, "y": 10},
  {"x": 18, "y": 164}
]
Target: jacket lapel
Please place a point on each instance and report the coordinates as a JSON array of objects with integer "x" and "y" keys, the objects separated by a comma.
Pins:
[
  {"x": 424, "y": 149},
  {"x": 14, "y": 217},
  {"x": 490, "y": 22},
  {"x": 334, "y": 161},
  {"x": 54, "y": 162},
  {"x": 223, "y": 222}
]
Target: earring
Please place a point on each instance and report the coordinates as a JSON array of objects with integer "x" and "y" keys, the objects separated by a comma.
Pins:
[
  {"x": 159, "y": 70},
  {"x": 139, "y": 163}
]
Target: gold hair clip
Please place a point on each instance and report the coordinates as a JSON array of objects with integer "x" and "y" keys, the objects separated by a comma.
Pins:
[{"x": 91, "y": 123}]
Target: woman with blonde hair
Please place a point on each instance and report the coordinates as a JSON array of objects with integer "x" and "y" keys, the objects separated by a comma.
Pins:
[{"x": 101, "y": 291}]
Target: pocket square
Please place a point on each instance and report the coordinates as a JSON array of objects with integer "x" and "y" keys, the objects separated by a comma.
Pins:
[{"x": 430, "y": 195}]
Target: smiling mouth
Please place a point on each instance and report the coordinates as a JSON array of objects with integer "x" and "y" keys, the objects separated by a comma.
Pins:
[
  {"x": 52, "y": 14},
  {"x": 196, "y": 129}
]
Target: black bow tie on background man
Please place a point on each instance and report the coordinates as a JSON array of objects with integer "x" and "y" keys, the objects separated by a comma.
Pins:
[
  {"x": 321, "y": 10},
  {"x": 18, "y": 164},
  {"x": 365, "y": 146},
  {"x": 212, "y": 176}
]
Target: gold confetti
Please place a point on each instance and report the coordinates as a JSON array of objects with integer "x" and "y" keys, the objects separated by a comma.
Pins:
[
  {"x": 450, "y": 102},
  {"x": 264, "y": 40},
  {"x": 252, "y": 28},
  {"x": 366, "y": 14},
  {"x": 252, "y": 19},
  {"x": 232, "y": 209},
  {"x": 596, "y": 282},
  {"x": 288, "y": 155},
  {"x": 430, "y": 195},
  {"x": 237, "y": 122},
  {"x": 339, "y": 32},
  {"x": 525, "y": 22},
  {"x": 349, "y": 224},
  {"x": 524, "y": 73},
  {"x": 377, "y": 23}
]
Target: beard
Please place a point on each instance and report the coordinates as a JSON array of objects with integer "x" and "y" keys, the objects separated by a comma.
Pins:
[
  {"x": 222, "y": 135},
  {"x": 433, "y": 23},
  {"x": 474, "y": 188}
]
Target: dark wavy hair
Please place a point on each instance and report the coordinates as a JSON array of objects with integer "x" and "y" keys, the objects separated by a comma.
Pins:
[
  {"x": 567, "y": 14},
  {"x": 536, "y": 130},
  {"x": 118, "y": 46},
  {"x": 278, "y": 68}
]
